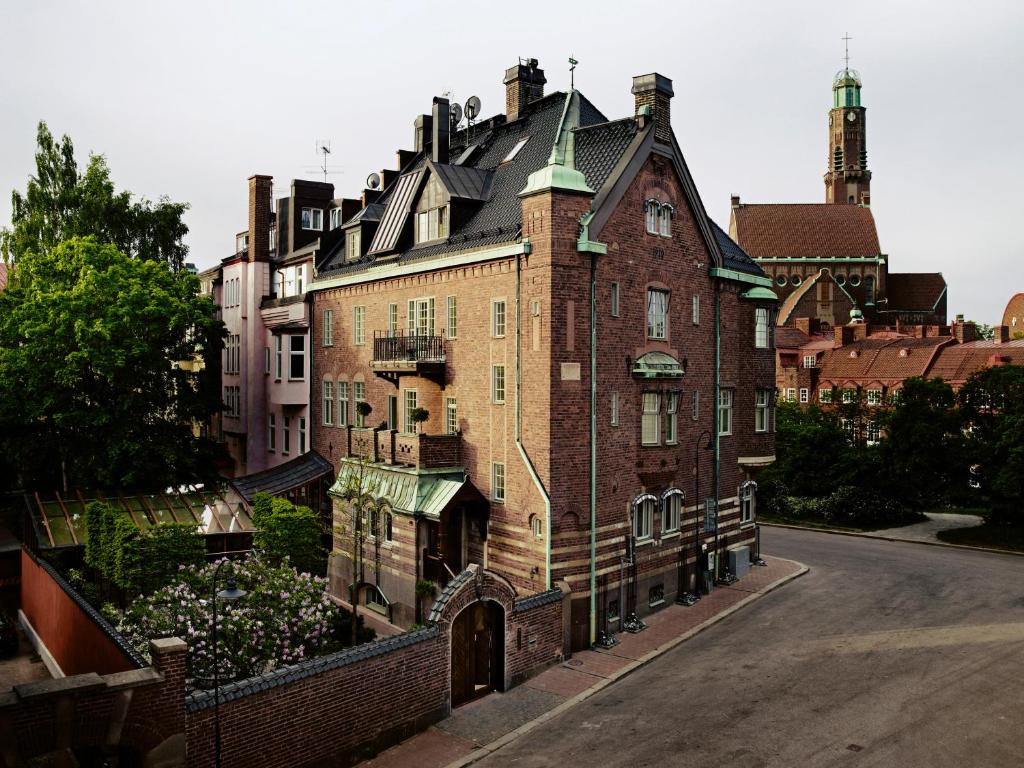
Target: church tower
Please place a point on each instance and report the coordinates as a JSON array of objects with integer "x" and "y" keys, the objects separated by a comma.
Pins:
[{"x": 848, "y": 179}]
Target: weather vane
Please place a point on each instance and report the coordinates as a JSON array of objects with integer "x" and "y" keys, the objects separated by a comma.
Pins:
[
  {"x": 846, "y": 38},
  {"x": 572, "y": 69}
]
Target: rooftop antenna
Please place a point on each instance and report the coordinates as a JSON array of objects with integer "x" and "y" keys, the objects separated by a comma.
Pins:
[
  {"x": 324, "y": 148},
  {"x": 846, "y": 38},
  {"x": 572, "y": 70}
]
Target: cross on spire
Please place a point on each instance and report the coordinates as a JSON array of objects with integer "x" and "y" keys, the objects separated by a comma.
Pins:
[{"x": 846, "y": 38}]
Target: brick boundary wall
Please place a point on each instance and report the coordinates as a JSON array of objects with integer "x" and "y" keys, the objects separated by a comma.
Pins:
[
  {"x": 333, "y": 710},
  {"x": 78, "y": 638}
]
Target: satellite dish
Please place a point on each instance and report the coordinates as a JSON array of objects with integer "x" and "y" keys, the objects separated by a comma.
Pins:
[
  {"x": 472, "y": 107},
  {"x": 456, "y": 113},
  {"x": 373, "y": 181}
]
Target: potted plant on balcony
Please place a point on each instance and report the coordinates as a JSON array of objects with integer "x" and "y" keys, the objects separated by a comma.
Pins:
[
  {"x": 419, "y": 415},
  {"x": 363, "y": 409}
]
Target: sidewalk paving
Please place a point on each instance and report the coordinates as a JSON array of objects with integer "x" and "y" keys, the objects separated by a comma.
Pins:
[{"x": 476, "y": 729}]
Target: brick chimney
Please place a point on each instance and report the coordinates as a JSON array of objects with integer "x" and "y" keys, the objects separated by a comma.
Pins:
[
  {"x": 655, "y": 91},
  {"x": 260, "y": 198},
  {"x": 439, "y": 132},
  {"x": 734, "y": 200},
  {"x": 424, "y": 127},
  {"x": 524, "y": 83},
  {"x": 1001, "y": 334},
  {"x": 964, "y": 331}
]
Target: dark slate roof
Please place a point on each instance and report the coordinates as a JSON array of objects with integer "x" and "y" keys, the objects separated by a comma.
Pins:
[
  {"x": 284, "y": 477},
  {"x": 735, "y": 257},
  {"x": 499, "y": 219},
  {"x": 464, "y": 182},
  {"x": 536, "y": 600},
  {"x": 914, "y": 291},
  {"x": 372, "y": 212},
  {"x": 600, "y": 147}
]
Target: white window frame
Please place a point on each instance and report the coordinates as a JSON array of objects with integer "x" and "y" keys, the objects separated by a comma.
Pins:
[
  {"x": 335, "y": 218},
  {"x": 498, "y": 387},
  {"x": 410, "y": 402},
  {"x": 615, "y": 409},
  {"x": 498, "y": 318},
  {"x": 671, "y": 418},
  {"x": 515, "y": 150},
  {"x": 302, "y": 435},
  {"x": 874, "y": 397},
  {"x": 451, "y": 415},
  {"x": 762, "y": 410},
  {"x": 725, "y": 412},
  {"x": 657, "y": 317},
  {"x": 358, "y": 396},
  {"x": 650, "y": 418},
  {"x": 432, "y": 225},
  {"x": 271, "y": 432},
  {"x": 810, "y": 361},
  {"x": 748, "y": 502},
  {"x": 825, "y": 395},
  {"x": 791, "y": 394},
  {"x": 642, "y": 527},
  {"x": 849, "y": 395},
  {"x": 665, "y": 213},
  {"x": 328, "y": 403},
  {"x": 452, "y": 316},
  {"x": 392, "y": 319},
  {"x": 651, "y": 216},
  {"x": 278, "y": 356},
  {"x": 359, "y": 325},
  {"x": 536, "y": 526},
  {"x": 614, "y": 299},
  {"x": 873, "y": 433},
  {"x": 805, "y": 395},
  {"x": 498, "y": 482},
  {"x": 343, "y": 404},
  {"x": 286, "y": 435},
  {"x": 293, "y": 354},
  {"x": 353, "y": 244},
  {"x": 696, "y": 309},
  {"x": 761, "y": 334},
  {"x": 671, "y": 511},
  {"x": 312, "y": 219},
  {"x": 328, "y": 327}
]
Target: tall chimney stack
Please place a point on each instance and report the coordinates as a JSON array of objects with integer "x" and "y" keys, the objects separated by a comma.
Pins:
[
  {"x": 439, "y": 134},
  {"x": 260, "y": 199},
  {"x": 655, "y": 91},
  {"x": 524, "y": 83}
]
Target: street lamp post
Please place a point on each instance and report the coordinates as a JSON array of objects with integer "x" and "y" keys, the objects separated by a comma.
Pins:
[
  {"x": 690, "y": 598},
  {"x": 231, "y": 593}
]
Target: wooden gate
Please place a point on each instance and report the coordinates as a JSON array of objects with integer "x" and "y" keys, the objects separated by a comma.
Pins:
[{"x": 478, "y": 652}]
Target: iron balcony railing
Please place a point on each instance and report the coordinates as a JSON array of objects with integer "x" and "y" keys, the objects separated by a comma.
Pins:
[{"x": 397, "y": 347}]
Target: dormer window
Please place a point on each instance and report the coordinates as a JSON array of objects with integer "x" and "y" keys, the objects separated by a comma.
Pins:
[
  {"x": 242, "y": 243},
  {"x": 312, "y": 218},
  {"x": 432, "y": 225},
  {"x": 658, "y": 217},
  {"x": 336, "y": 218},
  {"x": 353, "y": 244}
]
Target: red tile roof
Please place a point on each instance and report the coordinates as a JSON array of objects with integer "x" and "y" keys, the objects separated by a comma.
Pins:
[
  {"x": 881, "y": 359},
  {"x": 805, "y": 230},
  {"x": 917, "y": 291},
  {"x": 955, "y": 363},
  {"x": 789, "y": 337}
]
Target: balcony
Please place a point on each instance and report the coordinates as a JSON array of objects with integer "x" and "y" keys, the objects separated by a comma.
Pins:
[
  {"x": 421, "y": 451},
  {"x": 396, "y": 355}
]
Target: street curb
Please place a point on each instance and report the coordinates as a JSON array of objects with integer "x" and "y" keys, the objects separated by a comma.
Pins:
[
  {"x": 494, "y": 746},
  {"x": 858, "y": 535}
]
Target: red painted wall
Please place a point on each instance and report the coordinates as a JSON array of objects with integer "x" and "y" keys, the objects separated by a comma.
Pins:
[{"x": 71, "y": 635}]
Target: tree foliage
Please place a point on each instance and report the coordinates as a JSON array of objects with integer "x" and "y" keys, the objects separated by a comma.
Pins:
[
  {"x": 91, "y": 392},
  {"x": 286, "y": 532},
  {"x": 286, "y": 617},
  {"x": 62, "y": 202},
  {"x": 138, "y": 561}
]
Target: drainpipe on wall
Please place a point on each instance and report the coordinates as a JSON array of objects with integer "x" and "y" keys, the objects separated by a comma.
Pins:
[
  {"x": 717, "y": 406},
  {"x": 519, "y": 443}
]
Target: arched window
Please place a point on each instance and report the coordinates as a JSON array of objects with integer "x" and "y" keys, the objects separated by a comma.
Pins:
[
  {"x": 658, "y": 217},
  {"x": 643, "y": 516},
  {"x": 651, "y": 208},
  {"x": 671, "y": 510},
  {"x": 747, "y": 501},
  {"x": 665, "y": 220}
]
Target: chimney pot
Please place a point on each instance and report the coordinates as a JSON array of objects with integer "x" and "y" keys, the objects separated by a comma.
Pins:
[
  {"x": 439, "y": 132},
  {"x": 260, "y": 203},
  {"x": 655, "y": 91},
  {"x": 524, "y": 83},
  {"x": 735, "y": 200}
]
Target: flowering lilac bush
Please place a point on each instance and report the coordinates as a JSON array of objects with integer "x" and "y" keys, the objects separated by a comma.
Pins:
[{"x": 285, "y": 617}]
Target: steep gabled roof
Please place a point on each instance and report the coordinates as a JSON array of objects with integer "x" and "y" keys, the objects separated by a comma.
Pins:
[
  {"x": 914, "y": 291},
  {"x": 956, "y": 363},
  {"x": 806, "y": 230},
  {"x": 882, "y": 358},
  {"x": 734, "y": 256}
]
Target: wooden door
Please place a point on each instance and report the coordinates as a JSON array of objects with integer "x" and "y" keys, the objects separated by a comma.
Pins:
[{"x": 478, "y": 652}]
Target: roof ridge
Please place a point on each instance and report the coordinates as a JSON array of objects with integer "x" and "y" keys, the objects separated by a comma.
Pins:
[{"x": 605, "y": 123}]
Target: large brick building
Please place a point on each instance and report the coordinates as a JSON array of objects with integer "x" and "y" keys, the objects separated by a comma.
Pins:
[
  {"x": 825, "y": 258},
  {"x": 563, "y": 354}
]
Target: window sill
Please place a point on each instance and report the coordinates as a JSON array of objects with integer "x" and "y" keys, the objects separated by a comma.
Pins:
[
  {"x": 656, "y": 603},
  {"x": 672, "y": 535},
  {"x": 644, "y": 542},
  {"x": 748, "y": 524},
  {"x": 650, "y": 445}
]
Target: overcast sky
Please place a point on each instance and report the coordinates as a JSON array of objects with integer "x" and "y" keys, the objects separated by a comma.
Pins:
[{"x": 188, "y": 99}]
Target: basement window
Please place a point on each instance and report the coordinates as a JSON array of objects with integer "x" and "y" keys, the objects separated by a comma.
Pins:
[{"x": 515, "y": 150}]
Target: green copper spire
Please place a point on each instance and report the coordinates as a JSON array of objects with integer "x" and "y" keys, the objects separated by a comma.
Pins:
[{"x": 560, "y": 173}]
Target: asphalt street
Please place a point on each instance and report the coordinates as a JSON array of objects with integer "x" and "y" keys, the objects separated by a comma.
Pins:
[{"x": 884, "y": 654}]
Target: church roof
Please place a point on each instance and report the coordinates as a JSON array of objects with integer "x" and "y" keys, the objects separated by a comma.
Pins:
[
  {"x": 914, "y": 291},
  {"x": 805, "y": 230}
]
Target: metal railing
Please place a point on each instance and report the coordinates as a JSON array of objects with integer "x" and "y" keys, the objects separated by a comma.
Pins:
[{"x": 413, "y": 347}]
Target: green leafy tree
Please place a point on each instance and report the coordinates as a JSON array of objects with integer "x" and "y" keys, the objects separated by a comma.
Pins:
[
  {"x": 992, "y": 407},
  {"x": 91, "y": 392},
  {"x": 813, "y": 453},
  {"x": 922, "y": 450},
  {"x": 285, "y": 531},
  {"x": 61, "y": 202}
]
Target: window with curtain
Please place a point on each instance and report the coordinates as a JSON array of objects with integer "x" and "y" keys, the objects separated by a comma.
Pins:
[{"x": 657, "y": 314}]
